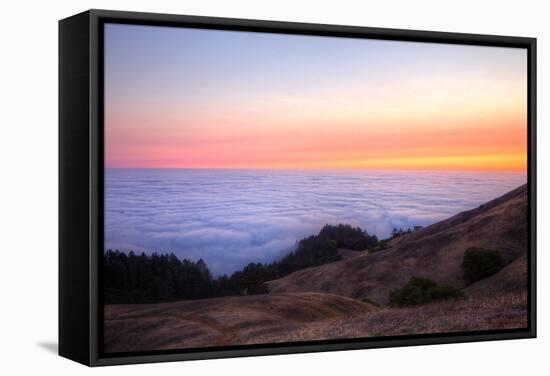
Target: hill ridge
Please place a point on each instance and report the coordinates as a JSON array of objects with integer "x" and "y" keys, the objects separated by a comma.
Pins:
[{"x": 435, "y": 252}]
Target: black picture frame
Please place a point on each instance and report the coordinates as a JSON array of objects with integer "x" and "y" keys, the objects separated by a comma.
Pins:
[{"x": 81, "y": 184}]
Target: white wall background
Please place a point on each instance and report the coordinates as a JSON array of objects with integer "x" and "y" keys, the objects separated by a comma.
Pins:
[{"x": 28, "y": 186}]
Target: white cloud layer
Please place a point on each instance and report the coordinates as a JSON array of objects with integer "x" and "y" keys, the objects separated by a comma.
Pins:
[{"x": 231, "y": 218}]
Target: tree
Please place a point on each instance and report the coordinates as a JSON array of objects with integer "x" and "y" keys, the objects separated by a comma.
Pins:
[
  {"x": 480, "y": 263},
  {"x": 147, "y": 278},
  {"x": 422, "y": 291}
]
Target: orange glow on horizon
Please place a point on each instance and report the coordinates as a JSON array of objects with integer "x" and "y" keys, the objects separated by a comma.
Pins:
[
  {"x": 341, "y": 104},
  {"x": 489, "y": 163},
  {"x": 492, "y": 163},
  {"x": 487, "y": 146}
]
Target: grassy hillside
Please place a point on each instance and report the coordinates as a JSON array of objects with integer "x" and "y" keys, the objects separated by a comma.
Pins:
[
  {"x": 435, "y": 252},
  {"x": 221, "y": 321},
  {"x": 296, "y": 317},
  {"x": 501, "y": 312}
]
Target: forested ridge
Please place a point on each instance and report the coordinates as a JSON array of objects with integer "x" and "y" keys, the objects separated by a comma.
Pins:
[{"x": 149, "y": 278}]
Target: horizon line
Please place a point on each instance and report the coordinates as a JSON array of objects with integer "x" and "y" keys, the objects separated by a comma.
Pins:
[{"x": 525, "y": 170}]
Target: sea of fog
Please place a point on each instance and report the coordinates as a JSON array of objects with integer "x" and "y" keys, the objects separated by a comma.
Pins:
[{"x": 232, "y": 217}]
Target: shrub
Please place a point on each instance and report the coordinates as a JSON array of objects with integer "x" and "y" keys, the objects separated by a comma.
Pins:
[
  {"x": 369, "y": 301},
  {"x": 408, "y": 296},
  {"x": 422, "y": 283},
  {"x": 382, "y": 245},
  {"x": 444, "y": 293},
  {"x": 422, "y": 291},
  {"x": 257, "y": 289},
  {"x": 481, "y": 263}
]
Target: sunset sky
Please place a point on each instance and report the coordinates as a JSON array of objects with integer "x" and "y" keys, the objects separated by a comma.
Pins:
[{"x": 184, "y": 98}]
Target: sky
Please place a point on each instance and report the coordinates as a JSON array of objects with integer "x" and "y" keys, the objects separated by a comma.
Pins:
[{"x": 190, "y": 98}]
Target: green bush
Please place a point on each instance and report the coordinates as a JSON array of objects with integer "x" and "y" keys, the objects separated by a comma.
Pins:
[
  {"x": 444, "y": 293},
  {"x": 422, "y": 283},
  {"x": 422, "y": 291},
  {"x": 382, "y": 245},
  {"x": 481, "y": 263}
]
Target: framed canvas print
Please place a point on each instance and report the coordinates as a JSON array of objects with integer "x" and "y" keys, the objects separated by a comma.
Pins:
[{"x": 236, "y": 187}]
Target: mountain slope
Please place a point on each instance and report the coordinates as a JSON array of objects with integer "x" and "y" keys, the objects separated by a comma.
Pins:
[
  {"x": 434, "y": 252},
  {"x": 221, "y": 321}
]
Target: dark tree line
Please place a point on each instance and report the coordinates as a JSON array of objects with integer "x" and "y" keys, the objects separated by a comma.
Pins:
[
  {"x": 143, "y": 278},
  {"x": 397, "y": 232},
  {"x": 148, "y": 278}
]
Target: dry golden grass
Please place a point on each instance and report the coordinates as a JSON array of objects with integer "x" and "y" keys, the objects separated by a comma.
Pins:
[
  {"x": 220, "y": 321},
  {"x": 504, "y": 312},
  {"x": 296, "y": 317}
]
